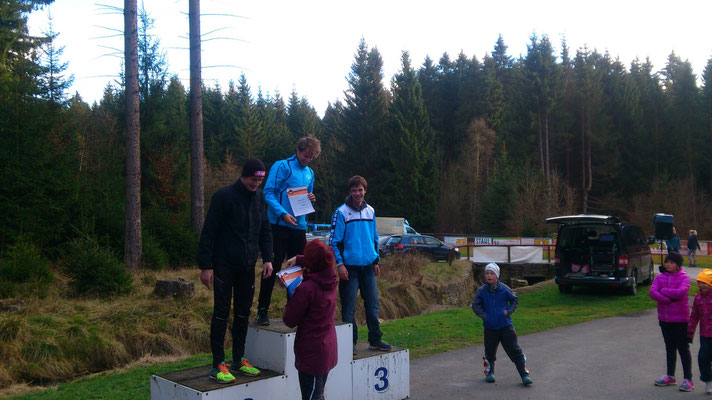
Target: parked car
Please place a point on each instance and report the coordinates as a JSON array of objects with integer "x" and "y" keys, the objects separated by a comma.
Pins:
[
  {"x": 428, "y": 245},
  {"x": 324, "y": 236},
  {"x": 601, "y": 250}
]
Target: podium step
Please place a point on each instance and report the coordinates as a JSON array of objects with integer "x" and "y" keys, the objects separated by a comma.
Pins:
[
  {"x": 368, "y": 375},
  {"x": 197, "y": 378}
]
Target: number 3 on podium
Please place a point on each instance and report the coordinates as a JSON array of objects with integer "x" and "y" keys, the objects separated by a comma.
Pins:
[{"x": 382, "y": 375}]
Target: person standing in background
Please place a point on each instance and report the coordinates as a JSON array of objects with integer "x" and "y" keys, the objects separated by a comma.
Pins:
[
  {"x": 693, "y": 244},
  {"x": 673, "y": 244}
]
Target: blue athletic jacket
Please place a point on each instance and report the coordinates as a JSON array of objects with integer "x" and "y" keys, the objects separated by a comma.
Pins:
[
  {"x": 489, "y": 304},
  {"x": 286, "y": 174},
  {"x": 354, "y": 237}
]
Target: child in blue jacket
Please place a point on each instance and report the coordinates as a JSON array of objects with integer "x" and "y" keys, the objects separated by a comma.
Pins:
[{"x": 495, "y": 302}]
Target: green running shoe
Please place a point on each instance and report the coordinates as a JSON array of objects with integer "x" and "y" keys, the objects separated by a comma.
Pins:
[
  {"x": 221, "y": 374},
  {"x": 245, "y": 368}
]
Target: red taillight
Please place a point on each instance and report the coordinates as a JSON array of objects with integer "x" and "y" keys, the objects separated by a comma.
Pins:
[
  {"x": 398, "y": 246},
  {"x": 623, "y": 262}
]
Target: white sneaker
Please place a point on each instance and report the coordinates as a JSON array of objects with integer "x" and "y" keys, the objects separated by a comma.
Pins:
[{"x": 708, "y": 388}]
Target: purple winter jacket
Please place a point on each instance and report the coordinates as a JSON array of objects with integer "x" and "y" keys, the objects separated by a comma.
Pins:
[
  {"x": 311, "y": 309},
  {"x": 671, "y": 291}
]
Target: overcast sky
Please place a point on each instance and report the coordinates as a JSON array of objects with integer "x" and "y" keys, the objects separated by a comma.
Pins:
[{"x": 309, "y": 45}]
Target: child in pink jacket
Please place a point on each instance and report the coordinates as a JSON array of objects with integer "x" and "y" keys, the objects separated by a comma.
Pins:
[
  {"x": 670, "y": 289},
  {"x": 702, "y": 312}
]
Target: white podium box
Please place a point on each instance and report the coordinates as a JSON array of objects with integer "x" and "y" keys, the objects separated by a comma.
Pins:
[
  {"x": 381, "y": 375},
  {"x": 194, "y": 384},
  {"x": 368, "y": 375},
  {"x": 272, "y": 347}
]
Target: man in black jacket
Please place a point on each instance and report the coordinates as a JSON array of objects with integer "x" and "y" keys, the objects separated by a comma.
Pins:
[{"x": 235, "y": 227}]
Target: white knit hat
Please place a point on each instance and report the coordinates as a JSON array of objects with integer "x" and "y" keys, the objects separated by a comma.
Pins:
[{"x": 492, "y": 267}]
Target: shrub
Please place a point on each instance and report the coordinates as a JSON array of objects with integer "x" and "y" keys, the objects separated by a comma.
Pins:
[
  {"x": 94, "y": 270},
  {"x": 174, "y": 235},
  {"x": 154, "y": 257},
  {"x": 24, "y": 271}
]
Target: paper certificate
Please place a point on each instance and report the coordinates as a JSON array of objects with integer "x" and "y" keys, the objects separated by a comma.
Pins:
[{"x": 299, "y": 200}]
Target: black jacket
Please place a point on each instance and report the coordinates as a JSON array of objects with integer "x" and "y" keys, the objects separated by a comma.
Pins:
[
  {"x": 693, "y": 244},
  {"x": 235, "y": 226}
]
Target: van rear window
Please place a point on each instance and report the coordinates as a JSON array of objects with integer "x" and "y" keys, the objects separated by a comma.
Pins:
[{"x": 608, "y": 237}]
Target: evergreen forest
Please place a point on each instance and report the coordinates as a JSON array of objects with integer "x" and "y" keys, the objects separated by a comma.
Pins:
[{"x": 456, "y": 144}]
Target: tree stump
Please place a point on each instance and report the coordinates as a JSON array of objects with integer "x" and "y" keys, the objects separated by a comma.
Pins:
[{"x": 179, "y": 289}]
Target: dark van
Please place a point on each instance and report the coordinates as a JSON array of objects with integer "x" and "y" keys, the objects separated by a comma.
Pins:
[{"x": 600, "y": 250}]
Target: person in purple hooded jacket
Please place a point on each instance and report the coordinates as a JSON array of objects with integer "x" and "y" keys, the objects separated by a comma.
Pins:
[
  {"x": 311, "y": 309},
  {"x": 671, "y": 290}
]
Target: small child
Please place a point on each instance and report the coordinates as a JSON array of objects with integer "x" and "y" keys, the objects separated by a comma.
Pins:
[
  {"x": 670, "y": 289},
  {"x": 495, "y": 302},
  {"x": 702, "y": 312},
  {"x": 311, "y": 309}
]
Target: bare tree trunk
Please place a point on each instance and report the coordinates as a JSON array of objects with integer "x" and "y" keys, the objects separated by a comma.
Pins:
[
  {"x": 197, "y": 196},
  {"x": 547, "y": 158},
  {"x": 132, "y": 236},
  {"x": 541, "y": 143},
  {"x": 584, "y": 193}
]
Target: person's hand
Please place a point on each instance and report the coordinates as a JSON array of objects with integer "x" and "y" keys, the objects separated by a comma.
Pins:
[
  {"x": 206, "y": 276},
  {"x": 291, "y": 262},
  {"x": 287, "y": 218},
  {"x": 312, "y": 198},
  {"x": 343, "y": 272},
  {"x": 376, "y": 269},
  {"x": 505, "y": 313},
  {"x": 266, "y": 270}
]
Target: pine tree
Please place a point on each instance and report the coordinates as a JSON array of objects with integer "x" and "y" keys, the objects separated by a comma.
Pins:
[
  {"x": 543, "y": 77},
  {"x": 410, "y": 163},
  {"x": 55, "y": 84},
  {"x": 365, "y": 116},
  {"x": 251, "y": 139}
]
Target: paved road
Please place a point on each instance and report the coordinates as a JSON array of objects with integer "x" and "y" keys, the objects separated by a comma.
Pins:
[{"x": 611, "y": 358}]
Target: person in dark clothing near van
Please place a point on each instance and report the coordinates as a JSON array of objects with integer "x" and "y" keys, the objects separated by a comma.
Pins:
[
  {"x": 311, "y": 310},
  {"x": 495, "y": 302},
  {"x": 235, "y": 228},
  {"x": 693, "y": 244},
  {"x": 673, "y": 244}
]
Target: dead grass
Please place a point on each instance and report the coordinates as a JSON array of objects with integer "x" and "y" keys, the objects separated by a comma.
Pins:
[{"x": 58, "y": 338}]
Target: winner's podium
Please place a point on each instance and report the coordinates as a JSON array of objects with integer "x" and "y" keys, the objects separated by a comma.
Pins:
[{"x": 370, "y": 374}]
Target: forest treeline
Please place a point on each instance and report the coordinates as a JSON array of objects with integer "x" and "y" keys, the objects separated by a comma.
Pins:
[{"x": 456, "y": 144}]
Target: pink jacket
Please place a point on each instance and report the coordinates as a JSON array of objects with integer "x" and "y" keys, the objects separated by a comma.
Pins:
[
  {"x": 670, "y": 290},
  {"x": 702, "y": 312}
]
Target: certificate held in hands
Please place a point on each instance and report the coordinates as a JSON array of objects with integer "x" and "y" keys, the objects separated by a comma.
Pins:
[
  {"x": 299, "y": 200},
  {"x": 290, "y": 278}
]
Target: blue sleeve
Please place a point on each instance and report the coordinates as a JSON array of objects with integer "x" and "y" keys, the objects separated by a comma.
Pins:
[
  {"x": 375, "y": 239},
  {"x": 338, "y": 228},
  {"x": 271, "y": 190},
  {"x": 310, "y": 185},
  {"x": 513, "y": 301},
  {"x": 477, "y": 305}
]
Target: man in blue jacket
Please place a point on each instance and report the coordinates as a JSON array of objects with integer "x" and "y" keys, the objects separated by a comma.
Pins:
[
  {"x": 354, "y": 239},
  {"x": 288, "y": 231}
]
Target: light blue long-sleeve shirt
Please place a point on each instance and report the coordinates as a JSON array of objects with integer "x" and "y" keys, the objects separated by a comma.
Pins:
[{"x": 283, "y": 175}]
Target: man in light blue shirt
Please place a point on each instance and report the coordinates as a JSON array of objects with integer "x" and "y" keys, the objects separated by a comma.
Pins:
[{"x": 288, "y": 230}]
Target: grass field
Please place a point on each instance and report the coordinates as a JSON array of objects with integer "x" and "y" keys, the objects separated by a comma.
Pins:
[{"x": 424, "y": 335}]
